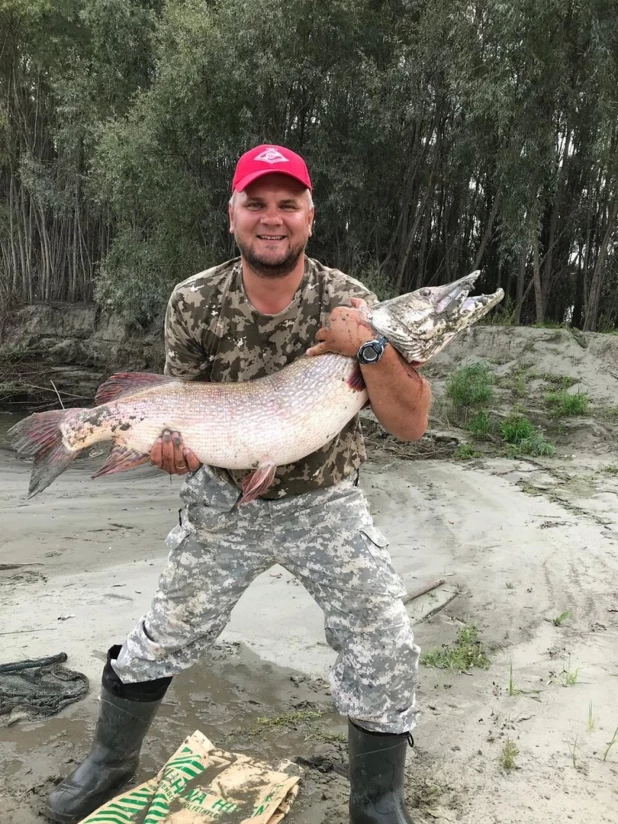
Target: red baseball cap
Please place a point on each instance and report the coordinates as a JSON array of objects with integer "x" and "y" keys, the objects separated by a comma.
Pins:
[{"x": 266, "y": 159}]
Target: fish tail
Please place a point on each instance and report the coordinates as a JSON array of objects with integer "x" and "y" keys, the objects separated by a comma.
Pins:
[{"x": 40, "y": 435}]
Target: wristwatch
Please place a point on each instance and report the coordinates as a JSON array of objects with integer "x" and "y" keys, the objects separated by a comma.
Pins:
[{"x": 372, "y": 350}]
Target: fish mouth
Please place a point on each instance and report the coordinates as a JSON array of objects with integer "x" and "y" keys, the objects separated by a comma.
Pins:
[{"x": 456, "y": 302}]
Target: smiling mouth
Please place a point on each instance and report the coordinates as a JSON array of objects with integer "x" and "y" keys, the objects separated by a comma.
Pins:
[{"x": 271, "y": 237}]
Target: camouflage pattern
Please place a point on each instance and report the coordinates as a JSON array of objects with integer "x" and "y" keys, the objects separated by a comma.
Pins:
[
  {"x": 212, "y": 332},
  {"x": 327, "y": 539}
]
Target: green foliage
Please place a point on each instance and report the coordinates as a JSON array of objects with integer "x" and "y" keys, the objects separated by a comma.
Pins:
[
  {"x": 288, "y": 721},
  {"x": 516, "y": 428},
  {"x": 535, "y": 445},
  {"x": 121, "y": 121},
  {"x": 522, "y": 438},
  {"x": 465, "y": 452},
  {"x": 562, "y": 404},
  {"x": 467, "y": 652},
  {"x": 480, "y": 424},
  {"x": 557, "y": 382},
  {"x": 471, "y": 386},
  {"x": 509, "y": 755}
]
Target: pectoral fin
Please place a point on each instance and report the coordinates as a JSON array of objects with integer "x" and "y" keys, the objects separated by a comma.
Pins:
[
  {"x": 121, "y": 458},
  {"x": 257, "y": 482}
]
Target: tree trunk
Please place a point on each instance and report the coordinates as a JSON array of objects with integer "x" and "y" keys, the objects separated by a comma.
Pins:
[
  {"x": 538, "y": 289},
  {"x": 596, "y": 286}
]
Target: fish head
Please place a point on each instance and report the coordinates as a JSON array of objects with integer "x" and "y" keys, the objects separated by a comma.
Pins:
[{"x": 421, "y": 323}]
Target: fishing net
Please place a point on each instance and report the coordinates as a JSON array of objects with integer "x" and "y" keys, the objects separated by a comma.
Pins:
[{"x": 38, "y": 688}]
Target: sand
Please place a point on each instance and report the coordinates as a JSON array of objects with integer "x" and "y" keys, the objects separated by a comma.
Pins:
[
  {"x": 521, "y": 541},
  {"x": 92, "y": 551}
]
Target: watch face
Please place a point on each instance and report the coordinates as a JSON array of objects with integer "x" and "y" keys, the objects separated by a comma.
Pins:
[{"x": 370, "y": 352}]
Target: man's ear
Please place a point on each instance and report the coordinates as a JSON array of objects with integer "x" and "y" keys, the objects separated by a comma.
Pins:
[{"x": 230, "y": 212}]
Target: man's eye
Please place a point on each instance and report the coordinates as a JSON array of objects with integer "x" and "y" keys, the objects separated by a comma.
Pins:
[{"x": 254, "y": 205}]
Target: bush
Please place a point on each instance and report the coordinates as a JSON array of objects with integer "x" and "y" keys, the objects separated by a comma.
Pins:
[
  {"x": 470, "y": 386},
  {"x": 516, "y": 428},
  {"x": 563, "y": 405},
  {"x": 465, "y": 452},
  {"x": 534, "y": 445},
  {"x": 480, "y": 424},
  {"x": 523, "y": 439}
]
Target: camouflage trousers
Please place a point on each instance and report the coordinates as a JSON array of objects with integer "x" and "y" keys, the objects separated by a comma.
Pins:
[{"x": 327, "y": 539}]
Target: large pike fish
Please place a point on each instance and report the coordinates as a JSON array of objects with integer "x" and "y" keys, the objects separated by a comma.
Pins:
[{"x": 256, "y": 425}]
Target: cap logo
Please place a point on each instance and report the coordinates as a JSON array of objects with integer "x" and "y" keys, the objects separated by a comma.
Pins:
[{"x": 271, "y": 156}]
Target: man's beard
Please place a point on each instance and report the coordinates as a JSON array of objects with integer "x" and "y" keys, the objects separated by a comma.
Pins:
[{"x": 271, "y": 270}]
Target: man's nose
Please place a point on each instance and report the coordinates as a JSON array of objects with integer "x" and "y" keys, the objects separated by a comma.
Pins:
[{"x": 271, "y": 215}]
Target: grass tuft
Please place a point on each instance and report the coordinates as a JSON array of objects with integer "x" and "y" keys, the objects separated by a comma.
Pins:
[
  {"x": 557, "y": 382},
  {"x": 471, "y": 386},
  {"x": 590, "y": 718},
  {"x": 570, "y": 676},
  {"x": 508, "y": 755},
  {"x": 560, "y": 619},
  {"x": 516, "y": 428},
  {"x": 287, "y": 721},
  {"x": 465, "y": 653},
  {"x": 480, "y": 424},
  {"x": 562, "y": 404},
  {"x": 523, "y": 439},
  {"x": 465, "y": 452},
  {"x": 611, "y": 744}
]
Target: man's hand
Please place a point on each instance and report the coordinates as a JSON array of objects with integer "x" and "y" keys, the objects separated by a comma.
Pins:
[
  {"x": 345, "y": 331},
  {"x": 169, "y": 454}
]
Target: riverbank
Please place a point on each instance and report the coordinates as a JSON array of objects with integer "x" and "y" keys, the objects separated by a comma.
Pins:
[{"x": 498, "y": 534}]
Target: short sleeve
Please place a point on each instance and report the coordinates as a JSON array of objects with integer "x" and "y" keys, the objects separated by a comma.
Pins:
[{"x": 184, "y": 357}]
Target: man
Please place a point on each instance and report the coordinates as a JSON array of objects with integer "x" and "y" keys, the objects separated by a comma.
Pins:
[{"x": 247, "y": 318}]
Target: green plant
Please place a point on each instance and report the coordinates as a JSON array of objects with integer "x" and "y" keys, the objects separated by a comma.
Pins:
[
  {"x": 556, "y": 381},
  {"x": 560, "y": 619},
  {"x": 285, "y": 721},
  {"x": 611, "y": 469},
  {"x": 508, "y": 755},
  {"x": 510, "y": 585},
  {"x": 562, "y": 404},
  {"x": 465, "y": 653},
  {"x": 12, "y": 352},
  {"x": 512, "y": 688},
  {"x": 522, "y": 438},
  {"x": 516, "y": 428},
  {"x": 480, "y": 424},
  {"x": 471, "y": 386},
  {"x": 590, "y": 718},
  {"x": 465, "y": 452},
  {"x": 611, "y": 744},
  {"x": 570, "y": 676},
  {"x": 10, "y": 388},
  {"x": 573, "y": 750}
]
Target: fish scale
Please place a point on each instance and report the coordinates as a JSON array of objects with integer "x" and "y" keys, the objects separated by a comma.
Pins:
[{"x": 255, "y": 425}]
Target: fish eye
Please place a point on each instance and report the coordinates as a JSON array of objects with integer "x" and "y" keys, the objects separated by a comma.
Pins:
[{"x": 424, "y": 293}]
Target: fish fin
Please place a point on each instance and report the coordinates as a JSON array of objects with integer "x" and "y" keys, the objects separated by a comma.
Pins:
[
  {"x": 40, "y": 435},
  {"x": 128, "y": 383},
  {"x": 121, "y": 458},
  {"x": 356, "y": 381},
  {"x": 257, "y": 482}
]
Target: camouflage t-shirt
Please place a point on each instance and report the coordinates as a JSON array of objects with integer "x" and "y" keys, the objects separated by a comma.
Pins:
[{"x": 213, "y": 332}]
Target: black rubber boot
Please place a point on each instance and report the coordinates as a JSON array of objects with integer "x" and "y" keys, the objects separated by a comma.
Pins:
[
  {"x": 377, "y": 769},
  {"x": 126, "y": 712}
]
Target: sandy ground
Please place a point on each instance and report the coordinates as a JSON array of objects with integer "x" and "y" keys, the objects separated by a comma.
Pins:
[{"x": 522, "y": 543}]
